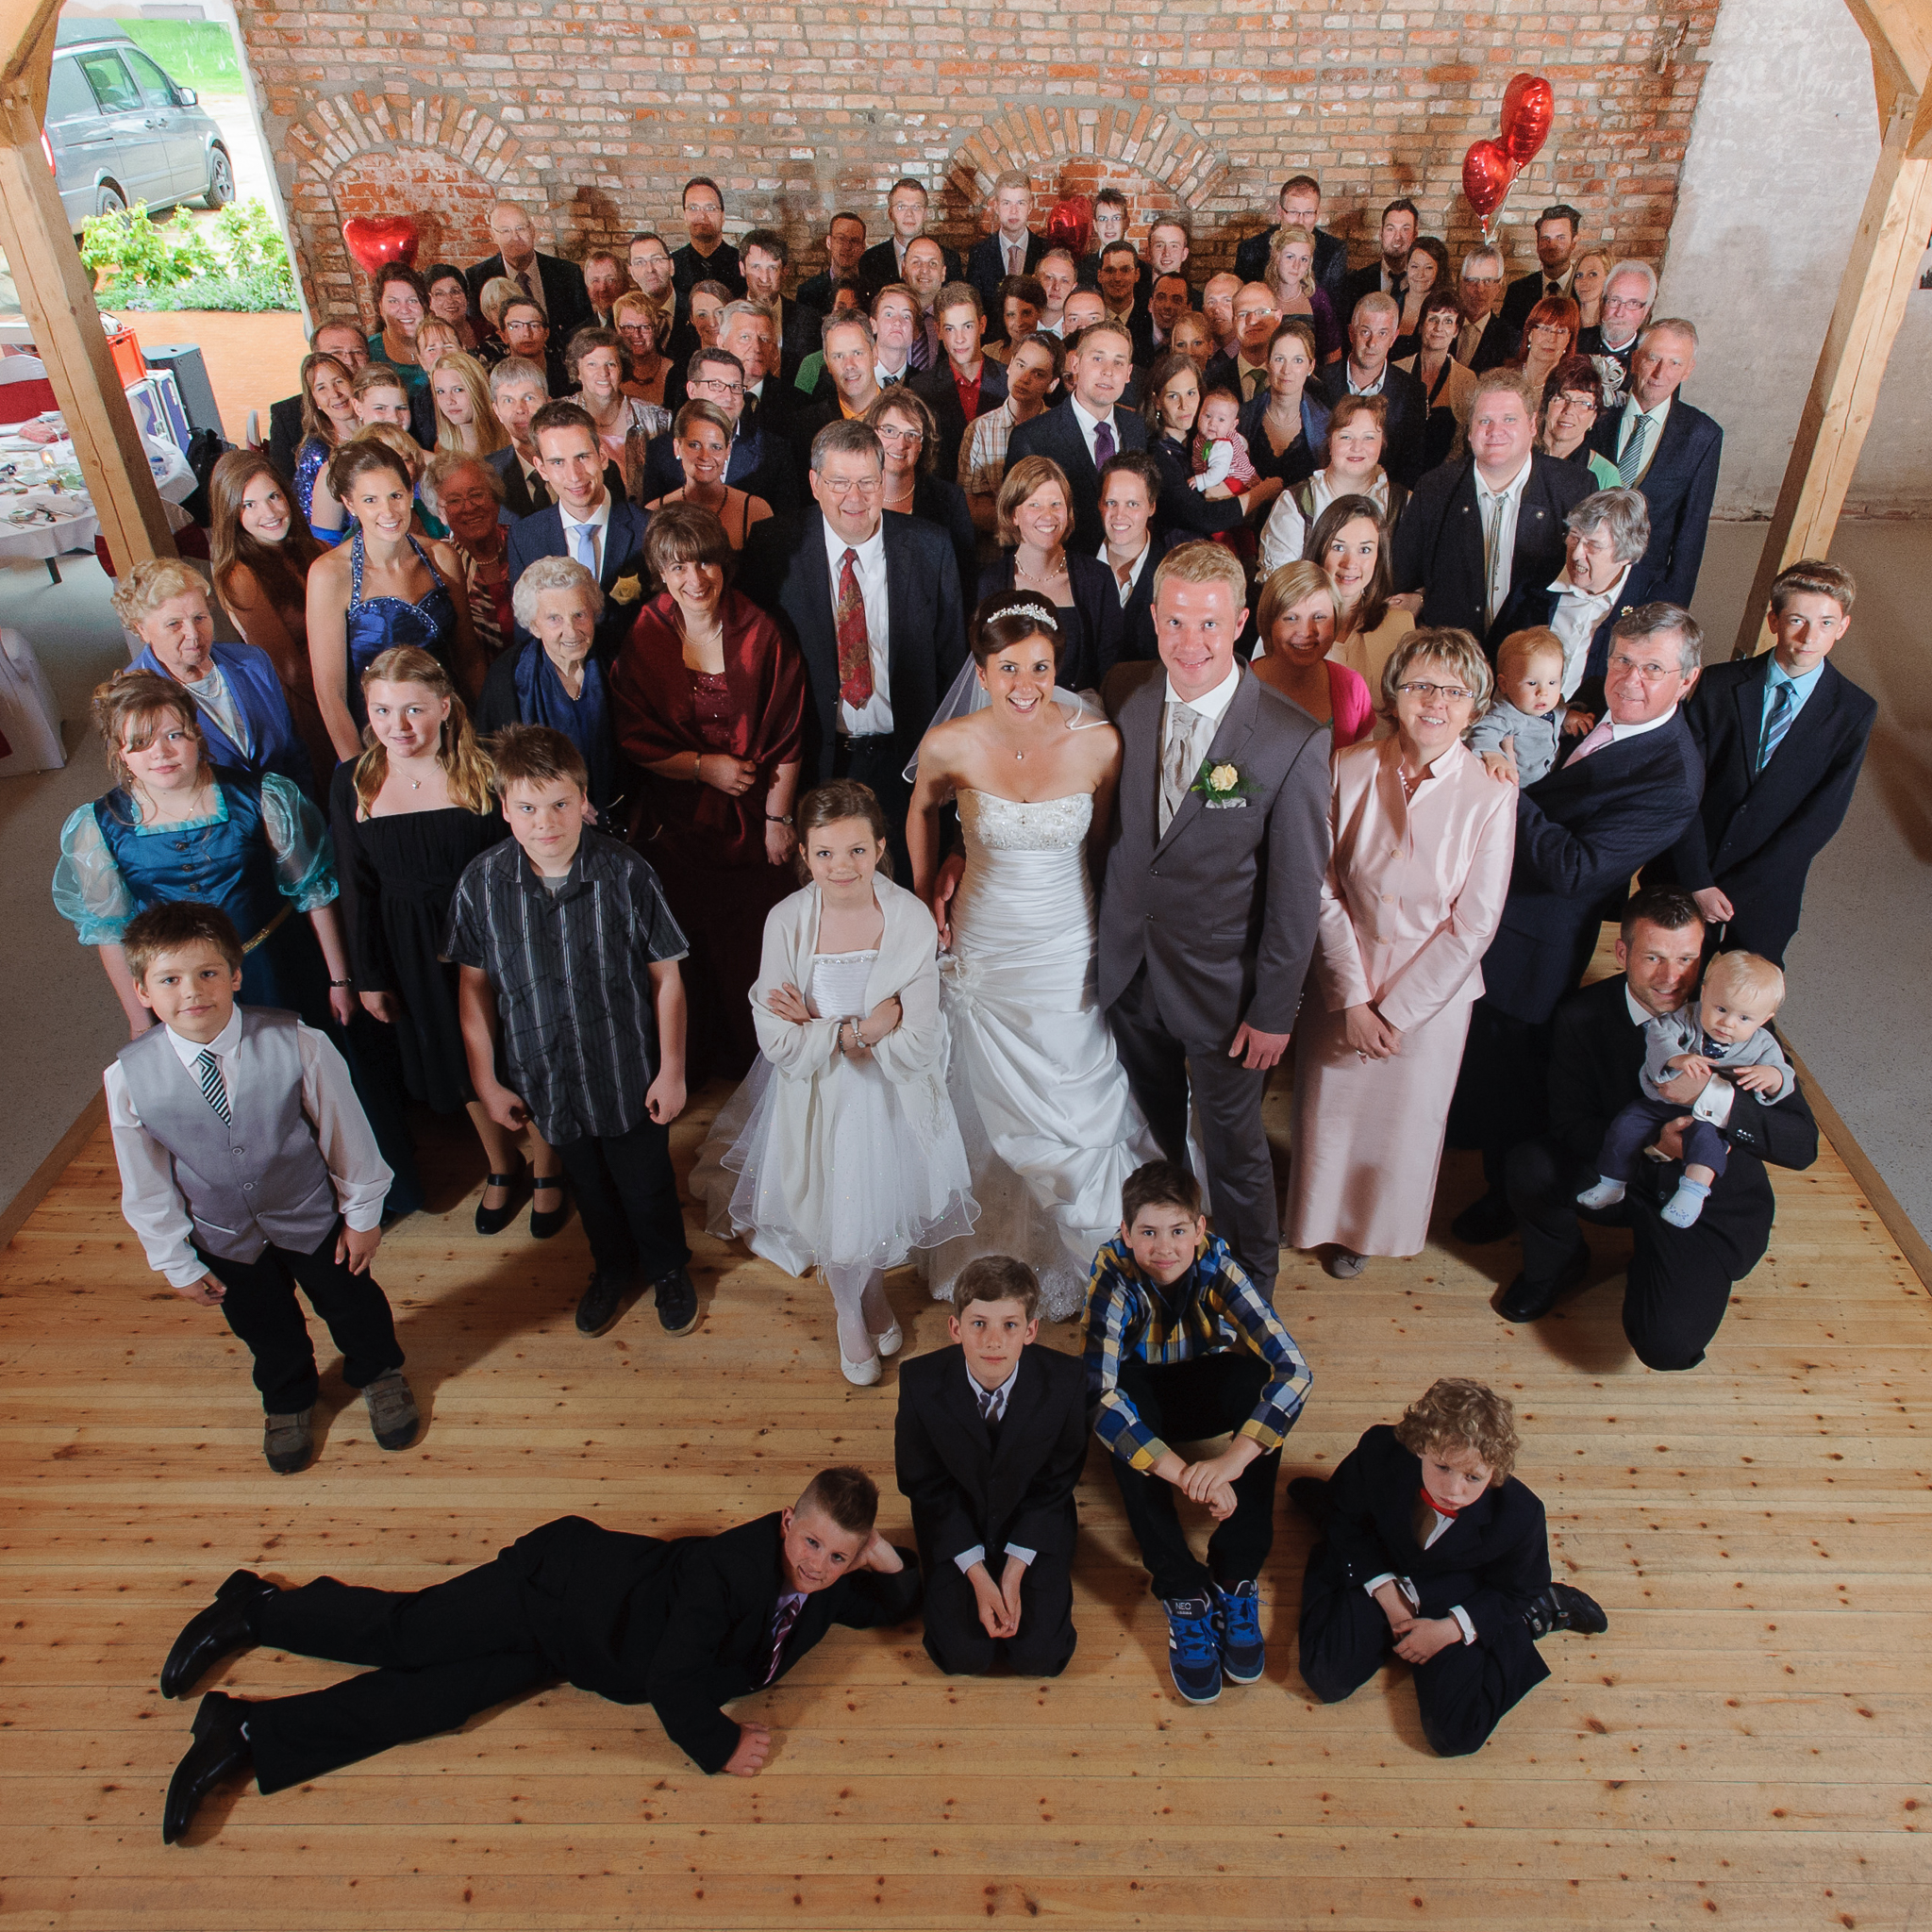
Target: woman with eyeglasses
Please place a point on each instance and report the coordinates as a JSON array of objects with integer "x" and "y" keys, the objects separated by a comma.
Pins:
[
  {"x": 1449, "y": 387},
  {"x": 1549, "y": 335},
  {"x": 636, "y": 320},
  {"x": 1572, "y": 399},
  {"x": 449, "y": 301},
  {"x": 1423, "y": 839},
  {"x": 910, "y": 434}
]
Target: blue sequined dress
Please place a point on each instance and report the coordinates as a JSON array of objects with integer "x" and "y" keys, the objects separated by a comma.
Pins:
[{"x": 377, "y": 624}]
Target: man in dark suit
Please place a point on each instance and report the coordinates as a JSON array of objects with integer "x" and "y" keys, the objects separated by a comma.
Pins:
[
  {"x": 586, "y": 520},
  {"x": 1472, "y": 530},
  {"x": 874, "y": 603},
  {"x": 527, "y": 333},
  {"x": 849, "y": 386},
  {"x": 1671, "y": 452},
  {"x": 1384, "y": 276},
  {"x": 1117, "y": 276},
  {"x": 1783, "y": 738},
  {"x": 747, "y": 330},
  {"x": 1170, "y": 246},
  {"x": 1365, "y": 371},
  {"x": 707, "y": 257},
  {"x": 968, "y": 382},
  {"x": 1208, "y": 915},
  {"x": 555, "y": 285},
  {"x": 1245, "y": 369},
  {"x": 517, "y": 389},
  {"x": 1555, "y": 254},
  {"x": 1171, "y": 300},
  {"x": 845, "y": 250},
  {"x": 764, "y": 254},
  {"x": 760, "y": 462},
  {"x": 1620, "y": 796},
  {"x": 907, "y": 206},
  {"x": 1484, "y": 340},
  {"x": 1607, "y": 533},
  {"x": 1298, "y": 206},
  {"x": 604, "y": 280},
  {"x": 1011, "y": 249},
  {"x": 346, "y": 342},
  {"x": 652, "y": 270},
  {"x": 991, "y": 1440},
  {"x": 1629, "y": 295},
  {"x": 685, "y": 1625},
  {"x": 1084, "y": 430},
  {"x": 1679, "y": 1280}
]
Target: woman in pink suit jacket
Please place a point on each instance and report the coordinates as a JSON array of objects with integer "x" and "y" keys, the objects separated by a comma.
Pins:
[{"x": 1423, "y": 839}]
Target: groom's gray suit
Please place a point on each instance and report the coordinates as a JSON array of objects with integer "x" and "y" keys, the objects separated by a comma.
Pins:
[{"x": 1210, "y": 926}]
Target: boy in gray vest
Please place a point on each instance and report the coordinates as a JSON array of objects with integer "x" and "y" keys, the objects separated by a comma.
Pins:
[{"x": 247, "y": 1169}]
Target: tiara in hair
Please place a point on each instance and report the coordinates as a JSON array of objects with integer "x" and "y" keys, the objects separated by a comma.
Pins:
[{"x": 1033, "y": 610}]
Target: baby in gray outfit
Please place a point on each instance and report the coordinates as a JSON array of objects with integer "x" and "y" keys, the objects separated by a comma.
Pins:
[{"x": 1528, "y": 708}]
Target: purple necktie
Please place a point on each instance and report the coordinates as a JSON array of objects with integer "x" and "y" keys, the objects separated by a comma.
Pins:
[
  {"x": 1103, "y": 445},
  {"x": 781, "y": 1629}
]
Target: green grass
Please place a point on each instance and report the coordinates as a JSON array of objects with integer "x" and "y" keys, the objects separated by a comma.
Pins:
[{"x": 196, "y": 52}]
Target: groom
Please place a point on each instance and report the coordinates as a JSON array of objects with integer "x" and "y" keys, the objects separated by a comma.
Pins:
[{"x": 1214, "y": 865}]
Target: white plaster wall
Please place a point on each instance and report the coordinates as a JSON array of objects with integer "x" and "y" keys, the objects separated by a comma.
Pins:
[{"x": 1780, "y": 156}]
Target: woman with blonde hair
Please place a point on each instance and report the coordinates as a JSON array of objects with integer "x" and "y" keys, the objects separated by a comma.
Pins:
[
  {"x": 637, "y": 319},
  {"x": 1294, "y": 624},
  {"x": 464, "y": 418},
  {"x": 1412, "y": 897},
  {"x": 1290, "y": 279},
  {"x": 329, "y": 421},
  {"x": 489, "y": 300}
]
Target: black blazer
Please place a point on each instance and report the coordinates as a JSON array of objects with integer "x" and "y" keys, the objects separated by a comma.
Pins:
[
  {"x": 683, "y": 1625},
  {"x": 1366, "y": 280},
  {"x": 1596, "y": 1052},
  {"x": 1755, "y": 833},
  {"x": 963, "y": 1487},
  {"x": 1094, "y": 639},
  {"x": 937, "y": 500},
  {"x": 517, "y": 497},
  {"x": 1494, "y": 346},
  {"x": 1679, "y": 487},
  {"x": 986, "y": 269},
  {"x": 565, "y": 300},
  {"x": 285, "y": 436},
  {"x": 1580, "y": 833},
  {"x": 1522, "y": 295},
  {"x": 799, "y": 337},
  {"x": 689, "y": 268},
  {"x": 1182, "y": 510},
  {"x": 1330, "y": 266},
  {"x": 540, "y": 534},
  {"x": 1439, "y": 537},
  {"x": 1409, "y": 415},
  {"x": 934, "y": 388},
  {"x": 879, "y": 265},
  {"x": 1493, "y": 1559},
  {"x": 1139, "y": 644},
  {"x": 1054, "y": 433},
  {"x": 785, "y": 570},
  {"x": 1302, "y": 456}
]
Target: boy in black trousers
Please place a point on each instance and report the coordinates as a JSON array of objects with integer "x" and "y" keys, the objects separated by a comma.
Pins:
[
  {"x": 991, "y": 1439},
  {"x": 1433, "y": 1550}
]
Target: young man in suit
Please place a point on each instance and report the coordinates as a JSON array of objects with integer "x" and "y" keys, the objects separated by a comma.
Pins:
[
  {"x": 1783, "y": 738},
  {"x": 1385, "y": 274},
  {"x": 1472, "y": 531},
  {"x": 555, "y": 285},
  {"x": 1130, "y": 494},
  {"x": 586, "y": 518},
  {"x": 684, "y": 1625},
  {"x": 968, "y": 382},
  {"x": 1011, "y": 249},
  {"x": 1085, "y": 432},
  {"x": 1208, "y": 915},
  {"x": 845, "y": 250},
  {"x": 1365, "y": 371},
  {"x": 527, "y": 332},
  {"x": 1622, "y": 794},
  {"x": 906, "y": 207},
  {"x": 1484, "y": 340},
  {"x": 1432, "y": 1549},
  {"x": 764, "y": 255},
  {"x": 991, "y": 1440},
  {"x": 874, "y": 603},
  {"x": 1298, "y": 206},
  {"x": 1556, "y": 253},
  {"x": 707, "y": 257},
  {"x": 1678, "y": 1282},
  {"x": 1671, "y": 452},
  {"x": 347, "y": 344}
]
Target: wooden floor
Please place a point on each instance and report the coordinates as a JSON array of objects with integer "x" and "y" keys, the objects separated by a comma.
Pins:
[{"x": 1748, "y": 1745}]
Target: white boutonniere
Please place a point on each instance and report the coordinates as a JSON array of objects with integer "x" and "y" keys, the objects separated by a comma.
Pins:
[
  {"x": 1223, "y": 785},
  {"x": 627, "y": 590}
]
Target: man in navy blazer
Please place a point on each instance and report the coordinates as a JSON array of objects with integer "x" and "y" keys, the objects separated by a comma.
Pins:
[
  {"x": 1620, "y": 796},
  {"x": 865, "y": 727},
  {"x": 1671, "y": 452},
  {"x": 1010, "y": 242},
  {"x": 586, "y": 517},
  {"x": 1298, "y": 206},
  {"x": 1440, "y": 545},
  {"x": 548, "y": 280},
  {"x": 1783, "y": 737},
  {"x": 1084, "y": 430},
  {"x": 907, "y": 206},
  {"x": 1366, "y": 371}
]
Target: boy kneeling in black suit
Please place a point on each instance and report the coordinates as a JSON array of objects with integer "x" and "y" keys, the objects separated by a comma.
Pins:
[
  {"x": 991, "y": 1439},
  {"x": 1432, "y": 1549}
]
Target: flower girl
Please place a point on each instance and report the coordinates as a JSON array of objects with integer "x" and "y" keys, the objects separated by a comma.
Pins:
[{"x": 841, "y": 1151}]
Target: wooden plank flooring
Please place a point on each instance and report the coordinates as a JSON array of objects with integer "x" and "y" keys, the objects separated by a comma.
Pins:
[{"x": 1749, "y": 1743}]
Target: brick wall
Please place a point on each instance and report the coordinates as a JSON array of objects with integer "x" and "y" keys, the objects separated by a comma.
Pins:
[{"x": 594, "y": 115}]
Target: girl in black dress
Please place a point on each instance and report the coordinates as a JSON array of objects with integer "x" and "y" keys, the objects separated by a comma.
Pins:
[{"x": 409, "y": 815}]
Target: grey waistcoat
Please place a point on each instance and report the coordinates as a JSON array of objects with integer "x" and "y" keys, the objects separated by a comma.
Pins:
[{"x": 258, "y": 1178}]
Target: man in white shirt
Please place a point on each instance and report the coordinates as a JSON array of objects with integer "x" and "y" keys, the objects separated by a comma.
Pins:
[
  {"x": 1085, "y": 433},
  {"x": 1129, "y": 489},
  {"x": 895, "y": 328}
]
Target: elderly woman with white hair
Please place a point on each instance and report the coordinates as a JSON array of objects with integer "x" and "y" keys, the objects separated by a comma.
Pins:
[{"x": 555, "y": 677}]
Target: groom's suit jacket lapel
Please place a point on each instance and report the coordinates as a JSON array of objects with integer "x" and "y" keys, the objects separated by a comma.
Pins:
[{"x": 1230, "y": 738}]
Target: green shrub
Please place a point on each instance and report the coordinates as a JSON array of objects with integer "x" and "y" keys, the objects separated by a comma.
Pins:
[
  {"x": 196, "y": 52},
  {"x": 245, "y": 267}
]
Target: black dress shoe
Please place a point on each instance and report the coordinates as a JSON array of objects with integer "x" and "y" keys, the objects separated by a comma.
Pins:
[
  {"x": 1487, "y": 1219},
  {"x": 678, "y": 1301},
  {"x": 219, "y": 1751},
  {"x": 494, "y": 1219},
  {"x": 225, "y": 1627},
  {"x": 1563, "y": 1606},
  {"x": 546, "y": 1222},
  {"x": 1526, "y": 1300},
  {"x": 1309, "y": 1494},
  {"x": 602, "y": 1301}
]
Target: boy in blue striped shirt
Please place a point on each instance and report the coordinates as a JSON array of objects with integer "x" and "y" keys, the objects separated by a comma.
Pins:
[{"x": 1180, "y": 1343}]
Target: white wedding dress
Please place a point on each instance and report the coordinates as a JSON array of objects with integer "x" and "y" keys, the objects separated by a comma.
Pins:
[{"x": 1050, "y": 1127}]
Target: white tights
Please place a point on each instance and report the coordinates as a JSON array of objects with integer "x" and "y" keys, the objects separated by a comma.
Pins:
[{"x": 858, "y": 1297}]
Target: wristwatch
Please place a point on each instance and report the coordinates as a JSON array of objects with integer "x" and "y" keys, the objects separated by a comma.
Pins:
[{"x": 777, "y": 818}]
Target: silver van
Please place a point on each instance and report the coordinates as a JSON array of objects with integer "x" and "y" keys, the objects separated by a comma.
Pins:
[{"x": 117, "y": 130}]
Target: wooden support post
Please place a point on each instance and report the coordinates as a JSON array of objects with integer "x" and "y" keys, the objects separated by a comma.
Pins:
[
  {"x": 57, "y": 295},
  {"x": 1883, "y": 266}
]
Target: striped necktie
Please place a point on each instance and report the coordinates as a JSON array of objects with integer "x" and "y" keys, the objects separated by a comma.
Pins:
[
  {"x": 1630, "y": 464},
  {"x": 781, "y": 1628},
  {"x": 1778, "y": 722},
  {"x": 213, "y": 1090}
]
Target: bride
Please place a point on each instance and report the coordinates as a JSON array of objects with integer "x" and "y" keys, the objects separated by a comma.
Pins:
[{"x": 1050, "y": 1127}]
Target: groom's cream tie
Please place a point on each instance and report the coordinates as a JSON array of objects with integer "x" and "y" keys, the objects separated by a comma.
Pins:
[{"x": 1180, "y": 759}]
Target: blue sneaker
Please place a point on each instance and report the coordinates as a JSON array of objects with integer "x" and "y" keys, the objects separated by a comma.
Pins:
[
  {"x": 1237, "y": 1620},
  {"x": 1193, "y": 1648}
]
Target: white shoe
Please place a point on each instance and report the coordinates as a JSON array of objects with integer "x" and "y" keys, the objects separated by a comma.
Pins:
[
  {"x": 891, "y": 1342},
  {"x": 862, "y": 1375}
]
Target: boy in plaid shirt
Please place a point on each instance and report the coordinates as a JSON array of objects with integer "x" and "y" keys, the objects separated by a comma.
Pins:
[{"x": 1180, "y": 1343}]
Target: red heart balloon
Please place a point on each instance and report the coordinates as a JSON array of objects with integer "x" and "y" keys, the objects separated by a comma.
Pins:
[
  {"x": 1071, "y": 224},
  {"x": 1487, "y": 173},
  {"x": 375, "y": 240},
  {"x": 1529, "y": 106}
]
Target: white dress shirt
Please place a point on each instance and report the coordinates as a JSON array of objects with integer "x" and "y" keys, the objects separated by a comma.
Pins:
[
  {"x": 1627, "y": 429},
  {"x": 151, "y": 1203},
  {"x": 1126, "y": 589},
  {"x": 1619, "y": 732},
  {"x": 875, "y": 717},
  {"x": 1013, "y": 254},
  {"x": 1499, "y": 542},
  {"x": 599, "y": 523},
  {"x": 1365, "y": 388},
  {"x": 1574, "y": 621},
  {"x": 1439, "y": 1528},
  {"x": 966, "y": 1558},
  {"x": 1089, "y": 424}
]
